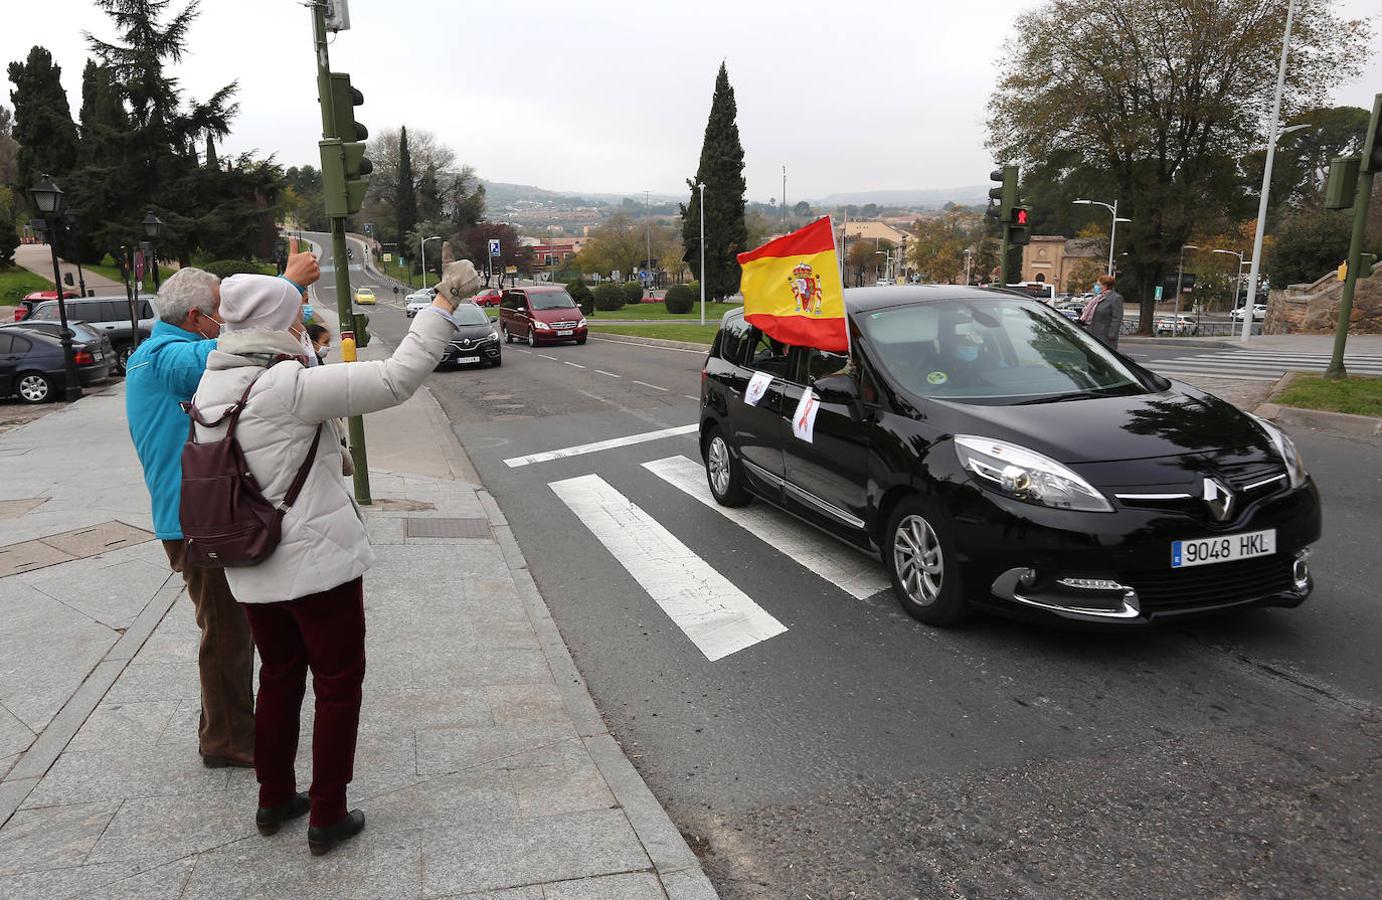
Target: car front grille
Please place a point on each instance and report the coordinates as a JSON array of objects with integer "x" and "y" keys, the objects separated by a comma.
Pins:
[
  {"x": 563, "y": 324},
  {"x": 1205, "y": 587}
]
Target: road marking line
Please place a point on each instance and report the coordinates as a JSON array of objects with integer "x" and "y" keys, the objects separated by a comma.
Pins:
[
  {"x": 689, "y": 397},
  {"x": 520, "y": 350},
  {"x": 856, "y": 574},
  {"x": 719, "y": 618},
  {"x": 545, "y": 356},
  {"x": 610, "y": 374},
  {"x": 577, "y": 365},
  {"x": 1176, "y": 373},
  {"x": 582, "y": 449},
  {"x": 652, "y": 346},
  {"x": 653, "y": 386}
]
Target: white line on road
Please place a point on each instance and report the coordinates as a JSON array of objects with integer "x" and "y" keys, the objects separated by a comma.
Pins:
[
  {"x": 1176, "y": 373},
  {"x": 520, "y": 350},
  {"x": 577, "y": 365},
  {"x": 611, "y": 444},
  {"x": 545, "y": 356},
  {"x": 689, "y": 397},
  {"x": 719, "y": 618},
  {"x": 653, "y": 386},
  {"x": 652, "y": 346},
  {"x": 610, "y": 374},
  {"x": 852, "y": 571}
]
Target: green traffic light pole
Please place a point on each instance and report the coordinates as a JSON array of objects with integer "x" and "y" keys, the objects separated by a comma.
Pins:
[
  {"x": 1362, "y": 197},
  {"x": 355, "y": 425}
]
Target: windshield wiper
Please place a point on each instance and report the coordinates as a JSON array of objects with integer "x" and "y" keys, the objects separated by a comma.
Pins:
[{"x": 1060, "y": 398}]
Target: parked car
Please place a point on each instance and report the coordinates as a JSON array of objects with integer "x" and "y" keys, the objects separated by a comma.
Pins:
[
  {"x": 110, "y": 315},
  {"x": 33, "y": 368},
  {"x": 364, "y": 296},
  {"x": 488, "y": 297},
  {"x": 1259, "y": 312},
  {"x": 418, "y": 301},
  {"x": 541, "y": 315},
  {"x": 1183, "y": 323},
  {"x": 31, "y": 300},
  {"x": 998, "y": 457},
  {"x": 475, "y": 340},
  {"x": 83, "y": 335}
]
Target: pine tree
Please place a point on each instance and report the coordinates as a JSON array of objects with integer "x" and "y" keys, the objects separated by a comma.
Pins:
[
  {"x": 212, "y": 162},
  {"x": 429, "y": 203},
  {"x": 42, "y": 119},
  {"x": 405, "y": 196},
  {"x": 721, "y": 170},
  {"x": 9, "y": 237}
]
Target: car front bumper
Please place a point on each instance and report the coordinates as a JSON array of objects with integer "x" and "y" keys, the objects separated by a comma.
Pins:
[
  {"x": 552, "y": 337},
  {"x": 487, "y": 351}
]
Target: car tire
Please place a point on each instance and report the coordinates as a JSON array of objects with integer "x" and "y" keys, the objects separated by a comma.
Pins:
[
  {"x": 497, "y": 361},
  {"x": 508, "y": 338},
  {"x": 33, "y": 387},
  {"x": 723, "y": 473},
  {"x": 532, "y": 337},
  {"x": 922, "y": 561},
  {"x": 580, "y": 341},
  {"x": 122, "y": 357}
]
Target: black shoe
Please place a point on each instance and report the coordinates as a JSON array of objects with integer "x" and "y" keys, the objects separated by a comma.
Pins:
[
  {"x": 321, "y": 840},
  {"x": 269, "y": 818},
  {"x": 221, "y": 762}
]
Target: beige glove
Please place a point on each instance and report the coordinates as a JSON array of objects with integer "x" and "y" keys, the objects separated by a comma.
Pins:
[{"x": 459, "y": 281}]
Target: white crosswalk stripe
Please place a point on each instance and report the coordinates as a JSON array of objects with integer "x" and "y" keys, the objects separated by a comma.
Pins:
[
  {"x": 718, "y": 618},
  {"x": 1257, "y": 365}
]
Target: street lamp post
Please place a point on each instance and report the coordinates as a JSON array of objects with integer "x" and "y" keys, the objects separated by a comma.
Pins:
[
  {"x": 1113, "y": 230},
  {"x": 701, "y": 187},
  {"x": 648, "y": 232},
  {"x": 422, "y": 254},
  {"x": 1238, "y": 285},
  {"x": 969, "y": 261},
  {"x": 47, "y": 198},
  {"x": 153, "y": 229},
  {"x": 1180, "y": 273}
]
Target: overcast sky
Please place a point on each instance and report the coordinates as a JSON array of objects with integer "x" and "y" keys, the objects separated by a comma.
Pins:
[{"x": 612, "y": 95}]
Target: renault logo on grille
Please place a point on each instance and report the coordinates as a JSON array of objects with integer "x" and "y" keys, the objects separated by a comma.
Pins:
[{"x": 1218, "y": 498}]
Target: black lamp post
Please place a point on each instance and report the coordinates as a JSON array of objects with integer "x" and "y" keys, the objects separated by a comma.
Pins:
[
  {"x": 47, "y": 198},
  {"x": 153, "y": 228},
  {"x": 72, "y": 221}
]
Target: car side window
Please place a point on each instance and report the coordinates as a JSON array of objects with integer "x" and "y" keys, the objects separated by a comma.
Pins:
[
  {"x": 110, "y": 311},
  {"x": 733, "y": 338},
  {"x": 768, "y": 355},
  {"x": 823, "y": 363},
  {"x": 6, "y": 343},
  {"x": 19, "y": 344}
]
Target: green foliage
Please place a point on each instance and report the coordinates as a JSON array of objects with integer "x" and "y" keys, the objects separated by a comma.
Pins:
[
  {"x": 1308, "y": 245},
  {"x": 680, "y": 299},
  {"x": 405, "y": 196},
  {"x": 42, "y": 120},
  {"x": 721, "y": 170},
  {"x": 9, "y": 234},
  {"x": 18, "y": 283},
  {"x": 689, "y": 332},
  {"x": 609, "y": 297},
  {"x": 695, "y": 287},
  {"x": 580, "y": 292},
  {"x": 224, "y": 268},
  {"x": 633, "y": 293},
  {"x": 1357, "y": 395}
]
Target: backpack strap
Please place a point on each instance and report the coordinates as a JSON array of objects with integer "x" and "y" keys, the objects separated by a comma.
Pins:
[
  {"x": 301, "y": 478},
  {"x": 231, "y": 414}
]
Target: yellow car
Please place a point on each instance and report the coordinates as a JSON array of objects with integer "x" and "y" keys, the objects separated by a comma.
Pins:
[{"x": 364, "y": 296}]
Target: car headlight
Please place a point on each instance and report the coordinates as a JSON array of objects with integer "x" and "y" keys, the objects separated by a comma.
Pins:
[
  {"x": 1028, "y": 476},
  {"x": 542, "y": 326},
  {"x": 581, "y": 323},
  {"x": 1286, "y": 449}
]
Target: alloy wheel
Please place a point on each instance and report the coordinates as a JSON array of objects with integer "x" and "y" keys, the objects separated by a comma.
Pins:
[
  {"x": 33, "y": 388},
  {"x": 717, "y": 460},
  {"x": 532, "y": 337},
  {"x": 918, "y": 559}
]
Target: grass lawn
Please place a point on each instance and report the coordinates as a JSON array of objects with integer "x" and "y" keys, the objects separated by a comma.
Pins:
[
  {"x": 658, "y": 311},
  {"x": 110, "y": 270},
  {"x": 15, "y": 283},
  {"x": 1361, "y": 396},
  {"x": 672, "y": 331}
]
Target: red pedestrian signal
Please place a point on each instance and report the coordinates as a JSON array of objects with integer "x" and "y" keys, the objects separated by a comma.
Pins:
[{"x": 1020, "y": 216}]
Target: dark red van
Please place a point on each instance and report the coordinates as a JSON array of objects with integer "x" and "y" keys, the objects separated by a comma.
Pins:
[{"x": 540, "y": 315}]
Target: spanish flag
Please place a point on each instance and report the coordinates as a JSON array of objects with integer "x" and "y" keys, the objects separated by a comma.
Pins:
[{"x": 792, "y": 289}]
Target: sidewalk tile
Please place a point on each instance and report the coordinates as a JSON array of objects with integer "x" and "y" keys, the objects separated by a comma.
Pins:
[
  {"x": 525, "y": 703},
  {"x": 455, "y": 708},
  {"x": 480, "y": 667},
  {"x": 113, "y": 725},
  {"x": 635, "y": 886},
  {"x": 15, "y": 737},
  {"x": 165, "y": 882},
  {"x": 127, "y": 772},
  {"x": 380, "y": 863},
  {"x": 471, "y": 797},
  {"x": 159, "y": 829},
  {"x": 443, "y": 750},
  {"x": 54, "y": 838},
  {"x": 111, "y": 589},
  {"x": 143, "y": 681},
  {"x": 528, "y": 851},
  {"x": 554, "y": 790},
  {"x": 63, "y": 884},
  {"x": 528, "y": 892},
  {"x": 690, "y": 884}
]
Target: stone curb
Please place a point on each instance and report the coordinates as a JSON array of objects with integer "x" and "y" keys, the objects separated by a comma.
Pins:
[
  {"x": 651, "y": 342},
  {"x": 1212, "y": 344},
  {"x": 1344, "y": 423}
]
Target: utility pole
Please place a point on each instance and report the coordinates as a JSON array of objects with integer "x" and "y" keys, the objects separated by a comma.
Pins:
[
  {"x": 1356, "y": 172},
  {"x": 784, "y": 199},
  {"x": 648, "y": 230},
  {"x": 337, "y": 172}
]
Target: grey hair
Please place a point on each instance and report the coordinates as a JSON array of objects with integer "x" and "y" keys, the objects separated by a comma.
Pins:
[{"x": 186, "y": 290}]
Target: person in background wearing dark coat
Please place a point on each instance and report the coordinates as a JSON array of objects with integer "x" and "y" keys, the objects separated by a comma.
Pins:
[{"x": 1103, "y": 315}]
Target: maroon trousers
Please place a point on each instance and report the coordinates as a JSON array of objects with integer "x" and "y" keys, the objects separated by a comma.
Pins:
[{"x": 324, "y": 632}]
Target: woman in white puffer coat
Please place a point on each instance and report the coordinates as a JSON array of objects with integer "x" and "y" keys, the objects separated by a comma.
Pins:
[{"x": 305, "y": 602}]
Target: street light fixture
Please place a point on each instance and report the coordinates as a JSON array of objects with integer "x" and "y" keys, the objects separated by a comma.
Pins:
[
  {"x": 1113, "y": 231},
  {"x": 701, "y": 187},
  {"x": 1180, "y": 273},
  {"x": 1247, "y": 307},
  {"x": 47, "y": 198},
  {"x": 153, "y": 230},
  {"x": 422, "y": 256}
]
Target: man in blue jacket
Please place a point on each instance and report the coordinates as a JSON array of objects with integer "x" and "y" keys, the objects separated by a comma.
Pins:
[{"x": 163, "y": 373}]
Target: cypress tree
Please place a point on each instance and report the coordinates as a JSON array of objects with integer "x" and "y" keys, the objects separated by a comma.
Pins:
[
  {"x": 405, "y": 196},
  {"x": 212, "y": 162},
  {"x": 721, "y": 170},
  {"x": 42, "y": 119}
]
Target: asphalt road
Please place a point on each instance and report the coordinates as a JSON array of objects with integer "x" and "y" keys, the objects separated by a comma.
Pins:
[{"x": 858, "y": 753}]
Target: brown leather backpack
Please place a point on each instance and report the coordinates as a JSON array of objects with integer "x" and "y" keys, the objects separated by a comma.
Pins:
[{"x": 226, "y": 520}]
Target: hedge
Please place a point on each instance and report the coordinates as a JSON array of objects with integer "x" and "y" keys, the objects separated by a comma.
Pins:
[
  {"x": 609, "y": 297},
  {"x": 680, "y": 299},
  {"x": 224, "y": 268},
  {"x": 580, "y": 292},
  {"x": 633, "y": 292}
]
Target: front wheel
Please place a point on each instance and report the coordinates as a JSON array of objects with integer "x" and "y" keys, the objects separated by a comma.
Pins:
[
  {"x": 122, "y": 359},
  {"x": 532, "y": 336},
  {"x": 723, "y": 473},
  {"x": 497, "y": 361},
  {"x": 33, "y": 387},
  {"x": 508, "y": 338},
  {"x": 923, "y": 563},
  {"x": 580, "y": 340}
]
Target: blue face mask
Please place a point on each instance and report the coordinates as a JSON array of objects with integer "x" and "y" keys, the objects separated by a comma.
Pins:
[
  {"x": 1098, "y": 289},
  {"x": 967, "y": 353}
]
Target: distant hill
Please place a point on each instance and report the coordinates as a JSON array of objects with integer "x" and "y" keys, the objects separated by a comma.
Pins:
[
  {"x": 500, "y": 193},
  {"x": 918, "y": 199}
]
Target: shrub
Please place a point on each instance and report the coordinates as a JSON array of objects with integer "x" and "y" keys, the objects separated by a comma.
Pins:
[
  {"x": 580, "y": 292},
  {"x": 609, "y": 297},
  {"x": 695, "y": 287},
  {"x": 633, "y": 292},
  {"x": 224, "y": 268},
  {"x": 680, "y": 299}
]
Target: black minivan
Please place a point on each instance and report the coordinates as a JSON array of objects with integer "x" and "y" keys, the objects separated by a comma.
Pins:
[{"x": 997, "y": 456}]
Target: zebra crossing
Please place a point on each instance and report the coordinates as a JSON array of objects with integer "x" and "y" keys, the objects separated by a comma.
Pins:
[{"x": 1257, "y": 365}]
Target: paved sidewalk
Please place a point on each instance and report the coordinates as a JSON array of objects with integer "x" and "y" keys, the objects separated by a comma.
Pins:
[
  {"x": 37, "y": 258},
  {"x": 483, "y": 766}
]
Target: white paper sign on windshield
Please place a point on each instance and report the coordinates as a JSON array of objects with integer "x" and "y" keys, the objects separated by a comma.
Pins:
[
  {"x": 758, "y": 386},
  {"x": 804, "y": 419}
]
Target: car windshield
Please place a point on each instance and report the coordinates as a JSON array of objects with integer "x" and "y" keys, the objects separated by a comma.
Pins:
[
  {"x": 551, "y": 300},
  {"x": 468, "y": 314},
  {"x": 993, "y": 351}
]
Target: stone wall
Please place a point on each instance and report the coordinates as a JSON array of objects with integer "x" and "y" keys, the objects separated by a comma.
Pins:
[{"x": 1314, "y": 308}]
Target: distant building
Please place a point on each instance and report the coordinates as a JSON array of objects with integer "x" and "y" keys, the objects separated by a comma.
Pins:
[
  {"x": 1064, "y": 262},
  {"x": 873, "y": 230},
  {"x": 553, "y": 253}
]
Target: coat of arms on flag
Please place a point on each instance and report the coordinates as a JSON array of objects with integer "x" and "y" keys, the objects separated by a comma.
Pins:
[{"x": 792, "y": 289}]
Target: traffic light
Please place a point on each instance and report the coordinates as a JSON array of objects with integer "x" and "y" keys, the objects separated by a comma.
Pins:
[
  {"x": 362, "y": 334},
  {"x": 1019, "y": 232},
  {"x": 1342, "y": 182},
  {"x": 345, "y": 169},
  {"x": 1372, "y": 144},
  {"x": 1005, "y": 194}
]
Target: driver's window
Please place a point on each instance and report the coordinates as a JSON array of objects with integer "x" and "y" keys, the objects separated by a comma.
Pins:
[
  {"x": 769, "y": 355},
  {"x": 823, "y": 363}
]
